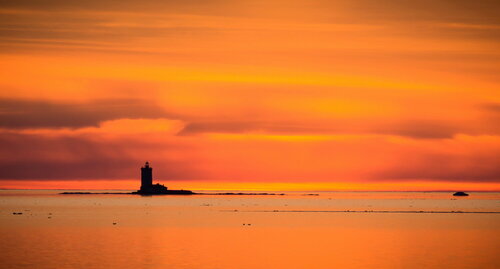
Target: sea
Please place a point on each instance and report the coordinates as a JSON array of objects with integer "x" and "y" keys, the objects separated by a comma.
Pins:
[{"x": 46, "y": 229}]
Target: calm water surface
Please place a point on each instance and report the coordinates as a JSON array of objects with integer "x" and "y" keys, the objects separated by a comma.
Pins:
[{"x": 210, "y": 231}]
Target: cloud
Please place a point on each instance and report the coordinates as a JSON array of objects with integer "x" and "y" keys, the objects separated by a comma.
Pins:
[
  {"x": 97, "y": 5},
  {"x": 45, "y": 157},
  {"x": 123, "y": 26},
  {"x": 418, "y": 129},
  {"x": 256, "y": 158},
  {"x": 421, "y": 129},
  {"x": 41, "y": 114},
  {"x": 491, "y": 107},
  {"x": 30, "y": 114},
  {"x": 199, "y": 127},
  {"x": 472, "y": 167}
]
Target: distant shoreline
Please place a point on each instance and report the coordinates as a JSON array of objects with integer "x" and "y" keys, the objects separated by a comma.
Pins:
[
  {"x": 368, "y": 211},
  {"x": 254, "y": 191}
]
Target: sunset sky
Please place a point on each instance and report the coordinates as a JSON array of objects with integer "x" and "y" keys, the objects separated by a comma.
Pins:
[{"x": 255, "y": 95}]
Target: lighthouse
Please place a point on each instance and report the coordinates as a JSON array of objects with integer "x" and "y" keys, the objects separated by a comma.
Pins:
[
  {"x": 146, "y": 177},
  {"x": 147, "y": 187}
]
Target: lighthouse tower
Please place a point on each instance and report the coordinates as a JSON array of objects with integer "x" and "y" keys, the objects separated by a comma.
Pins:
[{"x": 146, "y": 177}]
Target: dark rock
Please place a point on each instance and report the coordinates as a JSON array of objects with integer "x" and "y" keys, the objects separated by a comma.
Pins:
[{"x": 460, "y": 193}]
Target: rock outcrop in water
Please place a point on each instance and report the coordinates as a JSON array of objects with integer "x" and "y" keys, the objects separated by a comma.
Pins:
[{"x": 460, "y": 193}]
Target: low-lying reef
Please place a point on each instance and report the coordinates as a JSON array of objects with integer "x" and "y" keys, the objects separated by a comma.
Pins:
[
  {"x": 175, "y": 192},
  {"x": 85, "y": 192},
  {"x": 242, "y": 193}
]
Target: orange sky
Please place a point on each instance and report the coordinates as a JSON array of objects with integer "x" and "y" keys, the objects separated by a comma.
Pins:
[{"x": 288, "y": 95}]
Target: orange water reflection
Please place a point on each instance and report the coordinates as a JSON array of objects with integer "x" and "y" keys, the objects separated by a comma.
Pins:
[{"x": 196, "y": 232}]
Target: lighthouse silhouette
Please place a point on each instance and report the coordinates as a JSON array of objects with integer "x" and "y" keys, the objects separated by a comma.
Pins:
[
  {"x": 146, "y": 177},
  {"x": 148, "y": 188}
]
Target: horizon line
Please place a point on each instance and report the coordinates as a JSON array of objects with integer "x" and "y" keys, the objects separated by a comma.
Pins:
[{"x": 252, "y": 190}]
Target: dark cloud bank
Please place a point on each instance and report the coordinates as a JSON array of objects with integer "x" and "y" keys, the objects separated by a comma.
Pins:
[
  {"x": 416, "y": 129},
  {"x": 42, "y": 114},
  {"x": 33, "y": 114},
  {"x": 39, "y": 157},
  {"x": 474, "y": 167},
  {"x": 79, "y": 156},
  {"x": 26, "y": 156}
]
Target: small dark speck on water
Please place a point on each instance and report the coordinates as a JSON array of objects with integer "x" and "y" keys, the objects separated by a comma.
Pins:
[{"x": 114, "y": 223}]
